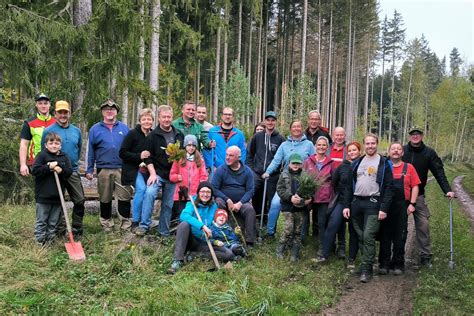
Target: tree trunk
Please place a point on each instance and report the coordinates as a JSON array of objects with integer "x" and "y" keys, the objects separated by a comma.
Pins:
[
  {"x": 125, "y": 97},
  {"x": 155, "y": 53},
  {"x": 198, "y": 70},
  {"x": 215, "y": 107},
  {"x": 455, "y": 138},
  {"x": 265, "y": 64},
  {"x": 141, "y": 58},
  {"x": 381, "y": 95},
  {"x": 329, "y": 71},
  {"x": 226, "y": 48},
  {"x": 239, "y": 36},
  {"x": 249, "y": 73},
  {"x": 366, "y": 101},
  {"x": 390, "y": 119},
  {"x": 318, "y": 80},
  {"x": 258, "y": 81},
  {"x": 462, "y": 136},
  {"x": 303, "y": 40},
  {"x": 168, "y": 88}
]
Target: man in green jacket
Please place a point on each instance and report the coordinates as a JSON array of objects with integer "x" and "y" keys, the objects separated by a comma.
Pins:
[{"x": 186, "y": 124}]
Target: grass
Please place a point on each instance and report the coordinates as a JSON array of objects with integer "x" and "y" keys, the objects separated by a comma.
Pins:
[
  {"x": 442, "y": 290},
  {"x": 120, "y": 277}
]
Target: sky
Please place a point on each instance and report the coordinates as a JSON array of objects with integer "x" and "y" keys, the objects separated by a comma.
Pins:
[{"x": 445, "y": 23}]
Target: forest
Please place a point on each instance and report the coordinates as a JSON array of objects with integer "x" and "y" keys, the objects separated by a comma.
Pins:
[{"x": 337, "y": 56}]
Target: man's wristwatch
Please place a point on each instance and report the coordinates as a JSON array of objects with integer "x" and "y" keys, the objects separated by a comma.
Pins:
[{"x": 414, "y": 204}]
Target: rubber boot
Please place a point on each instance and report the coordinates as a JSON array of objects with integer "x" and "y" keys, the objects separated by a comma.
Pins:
[
  {"x": 123, "y": 208},
  {"x": 280, "y": 251},
  {"x": 106, "y": 216},
  {"x": 295, "y": 253},
  {"x": 77, "y": 219}
]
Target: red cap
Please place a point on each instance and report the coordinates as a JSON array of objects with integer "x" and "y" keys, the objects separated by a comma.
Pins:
[{"x": 220, "y": 212}]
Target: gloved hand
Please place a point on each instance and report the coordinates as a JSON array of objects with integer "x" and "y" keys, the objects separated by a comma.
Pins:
[{"x": 183, "y": 193}]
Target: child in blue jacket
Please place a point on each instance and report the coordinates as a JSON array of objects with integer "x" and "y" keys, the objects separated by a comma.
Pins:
[{"x": 223, "y": 235}]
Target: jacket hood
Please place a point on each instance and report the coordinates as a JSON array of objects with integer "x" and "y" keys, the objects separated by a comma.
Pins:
[
  {"x": 303, "y": 138},
  {"x": 159, "y": 131}
]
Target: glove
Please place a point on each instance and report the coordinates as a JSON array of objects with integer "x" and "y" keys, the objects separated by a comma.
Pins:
[{"x": 265, "y": 175}]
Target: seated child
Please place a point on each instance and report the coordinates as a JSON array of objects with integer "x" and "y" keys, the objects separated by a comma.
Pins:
[
  {"x": 224, "y": 236},
  {"x": 48, "y": 202},
  {"x": 292, "y": 207}
]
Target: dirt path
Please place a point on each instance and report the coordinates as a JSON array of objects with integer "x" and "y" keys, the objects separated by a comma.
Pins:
[
  {"x": 385, "y": 294},
  {"x": 464, "y": 199}
]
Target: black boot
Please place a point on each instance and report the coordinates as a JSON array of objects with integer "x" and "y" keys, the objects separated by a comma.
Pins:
[
  {"x": 106, "y": 216},
  {"x": 77, "y": 218},
  {"x": 295, "y": 252},
  {"x": 280, "y": 251},
  {"x": 123, "y": 208}
]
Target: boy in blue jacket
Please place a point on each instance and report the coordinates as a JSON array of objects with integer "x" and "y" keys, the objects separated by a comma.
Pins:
[{"x": 223, "y": 235}]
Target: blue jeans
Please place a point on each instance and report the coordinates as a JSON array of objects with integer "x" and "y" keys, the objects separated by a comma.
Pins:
[
  {"x": 167, "y": 189},
  {"x": 335, "y": 219},
  {"x": 140, "y": 188},
  {"x": 273, "y": 214},
  {"x": 47, "y": 217}
]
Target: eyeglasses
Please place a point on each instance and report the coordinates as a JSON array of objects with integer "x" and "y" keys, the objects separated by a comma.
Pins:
[
  {"x": 112, "y": 109},
  {"x": 205, "y": 191},
  {"x": 228, "y": 114}
]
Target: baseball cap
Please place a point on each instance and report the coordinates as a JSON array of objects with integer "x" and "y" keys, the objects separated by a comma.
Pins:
[
  {"x": 111, "y": 103},
  {"x": 271, "y": 114},
  {"x": 62, "y": 105},
  {"x": 41, "y": 96},
  {"x": 415, "y": 129},
  {"x": 295, "y": 158}
]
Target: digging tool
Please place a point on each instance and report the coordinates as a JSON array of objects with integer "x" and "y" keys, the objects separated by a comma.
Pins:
[
  {"x": 237, "y": 223},
  {"x": 74, "y": 249},
  {"x": 211, "y": 249},
  {"x": 211, "y": 175},
  {"x": 451, "y": 259}
]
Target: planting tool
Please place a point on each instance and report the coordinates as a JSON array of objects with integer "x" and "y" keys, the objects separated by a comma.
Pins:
[
  {"x": 74, "y": 249},
  {"x": 211, "y": 249},
  {"x": 451, "y": 250},
  {"x": 237, "y": 223}
]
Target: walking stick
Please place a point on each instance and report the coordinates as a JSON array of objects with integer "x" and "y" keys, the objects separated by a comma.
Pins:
[
  {"x": 212, "y": 165},
  {"x": 237, "y": 223},
  {"x": 263, "y": 204},
  {"x": 451, "y": 260},
  {"x": 211, "y": 249}
]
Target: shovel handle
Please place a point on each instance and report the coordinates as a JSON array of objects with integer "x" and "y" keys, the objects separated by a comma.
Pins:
[
  {"x": 63, "y": 205},
  {"x": 211, "y": 249}
]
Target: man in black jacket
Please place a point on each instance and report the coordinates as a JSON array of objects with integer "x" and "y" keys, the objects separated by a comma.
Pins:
[
  {"x": 261, "y": 150},
  {"x": 372, "y": 197},
  {"x": 159, "y": 168},
  {"x": 424, "y": 158}
]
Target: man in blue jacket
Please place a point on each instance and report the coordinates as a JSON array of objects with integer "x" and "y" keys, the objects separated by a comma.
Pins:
[
  {"x": 234, "y": 187},
  {"x": 71, "y": 146},
  {"x": 105, "y": 139},
  {"x": 225, "y": 135}
]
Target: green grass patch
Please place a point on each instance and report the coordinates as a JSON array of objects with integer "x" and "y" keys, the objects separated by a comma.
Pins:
[
  {"x": 442, "y": 290},
  {"x": 120, "y": 277}
]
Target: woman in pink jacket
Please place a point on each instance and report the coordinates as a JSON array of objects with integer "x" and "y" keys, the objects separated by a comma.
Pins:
[
  {"x": 187, "y": 173},
  {"x": 321, "y": 167}
]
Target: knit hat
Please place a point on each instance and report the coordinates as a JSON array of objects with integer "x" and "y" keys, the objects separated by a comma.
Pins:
[
  {"x": 220, "y": 212},
  {"x": 205, "y": 184},
  {"x": 190, "y": 140}
]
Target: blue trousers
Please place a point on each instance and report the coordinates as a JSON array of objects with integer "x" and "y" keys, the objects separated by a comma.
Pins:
[
  {"x": 273, "y": 214},
  {"x": 140, "y": 188},
  {"x": 334, "y": 221}
]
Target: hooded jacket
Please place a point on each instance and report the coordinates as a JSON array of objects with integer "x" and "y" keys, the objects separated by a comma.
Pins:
[
  {"x": 156, "y": 144},
  {"x": 424, "y": 158},
  {"x": 302, "y": 146},
  {"x": 235, "y": 185},
  {"x": 262, "y": 149},
  {"x": 192, "y": 175},
  {"x": 46, "y": 190},
  {"x": 287, "y": 186},
  {"x": 384, "y": 179},
  {"x": 130, "y": 151},
  {"x": 324, "y": 192},
  {"x": 207, "y": 215}
]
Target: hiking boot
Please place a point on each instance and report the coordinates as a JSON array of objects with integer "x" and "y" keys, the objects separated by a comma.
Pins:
[
  {"x": 319, "y": 259},
  {"x": 175, "y": 266},
  {"x": 141, "y": 231},
  {"x": 341, "y": 253},
  {"x": 295, "y": 253},
  {"x": 426, "y": 262},
  {"x": 397, "y": 271},
  {"x": 134, "y": 227},
  {"x": 351, "y": 263},
  {"x": 269, "y": 237},
  {"x": 280, "y": 251},
  {"x": 365, "y": 276},
  {"x": 383, "y": 270}
]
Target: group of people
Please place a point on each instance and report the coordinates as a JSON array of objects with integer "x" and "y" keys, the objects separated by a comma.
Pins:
[{"x": 218, "y": 173}]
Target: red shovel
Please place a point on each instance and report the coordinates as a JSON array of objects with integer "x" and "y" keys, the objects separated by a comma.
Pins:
[{"x": 74, "y": 249}]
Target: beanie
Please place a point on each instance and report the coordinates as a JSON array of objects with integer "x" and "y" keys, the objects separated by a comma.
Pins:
[
  {"x": 220, "y": 212},
  {"x": 190, "y": 140}
]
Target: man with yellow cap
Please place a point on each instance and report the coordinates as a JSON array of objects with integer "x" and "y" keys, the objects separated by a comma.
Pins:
[{"x": 71, "y": 145}]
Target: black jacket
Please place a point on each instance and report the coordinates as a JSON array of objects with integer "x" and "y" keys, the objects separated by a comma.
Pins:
[
  {"x": 384, "y": 178},
  {"x": 156, "y": 144},
  {"x": 342, "y": 183},
  {"x": 424, "y": 158},
  {"x": 132, "y": 146},
  {"x": 260, "y": 145},
  {"x": 322, "y": 131},
  {"x": 46, "y": 190}
]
